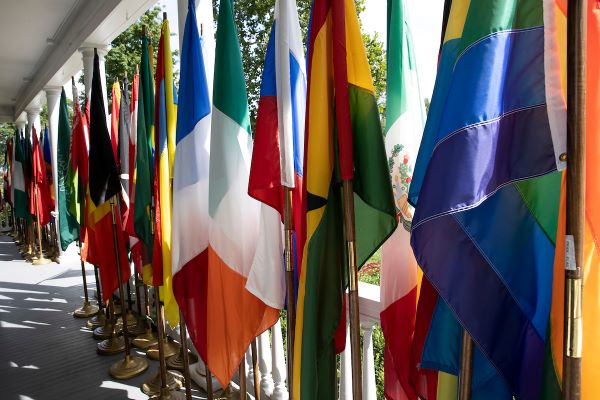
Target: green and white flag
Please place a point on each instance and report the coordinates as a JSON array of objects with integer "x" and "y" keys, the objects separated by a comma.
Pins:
[
  {"x": 20, "y": 196},
  {"x": 67, "y": 223}
]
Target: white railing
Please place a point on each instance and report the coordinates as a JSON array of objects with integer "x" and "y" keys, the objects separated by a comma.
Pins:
[{"x": 271, "y": 356}]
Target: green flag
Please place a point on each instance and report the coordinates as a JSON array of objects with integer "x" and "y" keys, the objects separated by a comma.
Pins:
[
  {"x": 67, "y": 223},
  {"x": 20, "y": 196},
  {"x": 143, "y": 162}
]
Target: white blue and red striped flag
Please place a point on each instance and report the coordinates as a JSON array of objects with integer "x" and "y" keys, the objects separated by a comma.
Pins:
[{"x": 278, "y": 156}]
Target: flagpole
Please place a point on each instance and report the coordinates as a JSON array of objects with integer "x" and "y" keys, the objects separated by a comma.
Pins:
[
  {"x": 100, "y": 318},
  {"x": 288, "y": 224},
  {"x": 575, "y": 220},
  {"x": 255, "y": 369},
  {"x": 87, "y": 310},
  {"x": 466, "y": 367},
  {"x": 41, "y": 260},
  {"x": 141, "y": 322},
  {"x": 149, "y": 338},
  {"x": 130, "y": 366},
  {"x": 349, "y": 232},
  {"x": 186, "y": 359}
]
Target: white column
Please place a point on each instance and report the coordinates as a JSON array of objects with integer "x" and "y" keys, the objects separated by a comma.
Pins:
[
  {"x": 264, "y": 364},
  {"x": 33, "y": 116},
  {"x": 52, "y": 99},
  {"x": 368, "y": 379},
  {"x": 346, "y": 369},
  {"x": 279, "y": 369},
  {"x": 87, "y": 55},
  {"x": 20, "y": 124}
]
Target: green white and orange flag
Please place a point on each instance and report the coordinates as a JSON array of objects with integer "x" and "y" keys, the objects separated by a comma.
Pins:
[
  {"x": 344, "y": 141},
  {"x": 165, "y": 121},
  {"x": 234, "y": 316}
]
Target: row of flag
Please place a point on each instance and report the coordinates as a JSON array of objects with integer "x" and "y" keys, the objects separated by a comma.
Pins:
[{"x": 467, "y": 203}]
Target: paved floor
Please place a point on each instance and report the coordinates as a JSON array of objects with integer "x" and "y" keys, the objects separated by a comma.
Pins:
[{"x": 45, "y": 353}]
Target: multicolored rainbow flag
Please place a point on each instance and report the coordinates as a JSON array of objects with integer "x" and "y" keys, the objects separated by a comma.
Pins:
[
  {"x": 486, "y": 190},
  {"x": 344, "y": 141}
]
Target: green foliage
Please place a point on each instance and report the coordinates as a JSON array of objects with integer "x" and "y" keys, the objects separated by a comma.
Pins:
[
  {"x": 254, "y": 20},
  {"x": 7, "y": 131},
  {"x": 126, "y": 49}
]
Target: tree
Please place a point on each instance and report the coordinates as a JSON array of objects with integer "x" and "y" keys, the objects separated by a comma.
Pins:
[
  {"x": 7, "y": 131},
  {"x": 254, "y": 20}
]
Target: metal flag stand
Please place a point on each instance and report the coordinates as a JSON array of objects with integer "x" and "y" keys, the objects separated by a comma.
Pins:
[
  {"x": 575, "y": 222},
  {"x": 466, "y": 367},
  {"x": 349, "y": 233},
  {"x": 100, "y": 318},
  {"x": 289, "y": 256},
  {"x": 130, "y": 366},
  {"x": 87, "y": 310}
]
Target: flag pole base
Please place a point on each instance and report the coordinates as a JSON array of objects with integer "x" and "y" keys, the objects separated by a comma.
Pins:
[
  {"x": 97, "y": 320},
  {"x": 139, "y": 328},
  {"x": 169, "y": 395},
  {"x": 170, "y": 349},
  {"x": 176, "y": 362},
  {"x": 85, "y": 311},
  {"x": 128, "y": 367},
  {"x": 131, "y": 321},
  {"x": 41, "y": 261},
  {"x": 105, "y": 331},
  {"x": 152, "y": 386},
  {"x": 146, "y": 340},
  {"x": 110, "y": 346}
]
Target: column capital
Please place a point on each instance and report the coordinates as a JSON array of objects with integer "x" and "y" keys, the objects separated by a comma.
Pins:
[
  {"x": 20, "y": 124},
  {"x": 52, "y": 91},
  {"x": 88, "y": 50}
]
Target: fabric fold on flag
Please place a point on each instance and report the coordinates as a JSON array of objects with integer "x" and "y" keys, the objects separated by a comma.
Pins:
[
  {"x": 343, "y": 141},
  {"x": 485, "y": 194},
  {"x": 279, "y": 151},
  {"x": 103, "y": 188},
  {"x": 67, "y": 222}
]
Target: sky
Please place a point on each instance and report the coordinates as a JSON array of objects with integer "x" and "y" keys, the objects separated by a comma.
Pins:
[{"x": 425, "y": 18}]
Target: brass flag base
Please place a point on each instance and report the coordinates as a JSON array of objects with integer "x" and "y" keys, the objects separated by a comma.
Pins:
[
  {"x": 128, "y": 367},
  {"x": 97, "y": 320},
  {"x": 139, "y": 328},
  {"x": 146, "y": 340},
  {"x": 40, "y": 260},
  {"x": 131, "y": 320},
  {"x": 167, "y": 394},
  {"x": 170, "y": 349},
  {"x": 85, "y": 311},
  {"x": 152, "y": 386},
  {"x": 110, "y": 346},
  {"x": 176, "y": 362},
  {"x": 105, "y": 331}
]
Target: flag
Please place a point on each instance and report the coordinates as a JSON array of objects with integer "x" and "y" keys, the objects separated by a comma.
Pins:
[
  {"x": 67, "y": 222},
  {"x": 165, "y": 123},
  {"x": 590, "y": 377},
  {"x": 233, "y": 316},
  {"x": 103, "y": 185},
  {"x": 190, "y": 219},
  {"x": 9, "y": 160},
  {"x": 344, "y": 141},
  {"x": 123, "y": 148},
  {"x": 114, "y": 119},
  {"x": 77, "y": 173},
  {"x": 485, "y": 186},
  {"x": 40, "y": 201},
  {"x": 19, "y": 194},
  {"x": 47, "y": 153},
  {"x": 405, "y": 119},
  {"x": 279, "y": 151},
  {"x": 143, "y": 164},
  {"x": 135, "y": 244}
]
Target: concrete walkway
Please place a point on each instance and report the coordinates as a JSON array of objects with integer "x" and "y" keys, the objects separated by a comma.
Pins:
[{"x": 45, "y": 353}]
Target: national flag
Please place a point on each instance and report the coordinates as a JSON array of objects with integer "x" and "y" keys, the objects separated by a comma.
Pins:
[
  {"x": 142, "y": 212},
  {"x": 21, "y": 203},
  {"x": 240, "y": 316},
  {"x": 165, "y": 114},
  {"x": 68, "y": 226},
  {"x": 104, "y": 185},
  {"x": 77, "y": 174},
  {"x": 114, "y": 119},
  {"x": 486, "y": 191},
  {"x": 405, "y": 119},
  {"x": 123, "y": 148},
  {"x": 590, "y": 376},
  {"x": 40, "y": 201},
  {"x": 47, "y": 153},
  {"x": 191, "y": 219},
  {"x": 279, "y": 151},
  {"x": 344, "y": 141},
  {"x": 9, "y": 159},
  {"x": 135, "y": 244}
]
